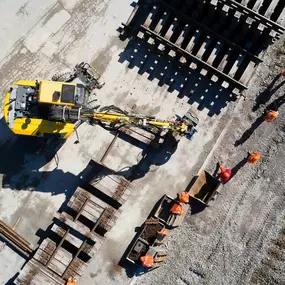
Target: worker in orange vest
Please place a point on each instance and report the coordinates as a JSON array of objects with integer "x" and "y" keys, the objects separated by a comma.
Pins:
[
  {"x": 184, "y": 197},
  {"x": 225, "y": 174},
  {"x": 71, "y": 281},
  {"x": 177, "y": 209},
  {"x": 271, "y": 116},
  {"x": 147, "y": 260},
  {"x": 253, "y": 157}
]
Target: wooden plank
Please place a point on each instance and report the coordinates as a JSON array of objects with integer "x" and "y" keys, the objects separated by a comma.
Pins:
[
  {"x": 193, "y": 40},
  {"x": 63, "y": 256},
  {"x": 99, "y": 202},
  {"x": 151, "y": 16},
  {"x": 142, "y": 132},
  {"x": 86, "y": 194},
  {"x": 48, "y": 245},
  {"x": 257, "y": 5},
  {"x": 281, "y": 18},
  {"x": 71, "y": 273},
  {"x": 89, "y": 216},
  {"x": 42, "y": 256},
  {"x": 236, "y": 65},
  {"x": 79, "y": 227},
  {"x": 94, "y": 209},
  {"x": 271, "y": 8},
  {"x": 161, "y": 22},
  {"x": 136, "y": 135},
  {"x": 204, "y": 46},
  {"x": 33, "y": 270},
  {"x": 171, "y": 29},
  {"x": 215, "y": 52},
  {"x": 183, "y": 35},
  {"x": 58, "y": 230},
  {"x": 246, "y": 76},
  {"x": 57, "y": 267},
  {"x": 102, "y": 188},
  {"x": 74, "y": 240}
]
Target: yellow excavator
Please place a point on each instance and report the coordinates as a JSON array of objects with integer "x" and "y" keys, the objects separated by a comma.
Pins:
[{"x": 57, "y": 107}]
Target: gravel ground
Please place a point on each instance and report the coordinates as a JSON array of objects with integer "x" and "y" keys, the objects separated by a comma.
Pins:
[{"x": 240, "y": 239}]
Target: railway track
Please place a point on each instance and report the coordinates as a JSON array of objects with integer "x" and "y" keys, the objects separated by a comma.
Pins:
[{"x": 222, "y": 39}]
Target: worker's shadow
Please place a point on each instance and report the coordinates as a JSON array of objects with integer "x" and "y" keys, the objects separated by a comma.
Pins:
[
  {"x": 151, "y": 159},
  {"x": 248, "y": 133},
  {"x": 265, "y": 96},
  {"x": 275, "y": 105},
  {"x": 240, "y": 165}
]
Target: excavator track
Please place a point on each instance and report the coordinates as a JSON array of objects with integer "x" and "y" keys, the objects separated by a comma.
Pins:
[{"x": 222, "y": 39}]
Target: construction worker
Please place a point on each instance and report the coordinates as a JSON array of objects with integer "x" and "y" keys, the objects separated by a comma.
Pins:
[
  {"x": 253, "y": 157},
  {"x": 225, "y": 174},
  {"x": 71, "y": 281},
  {"x": 177, "y": 209},
  {"x": 282, "y": 72},
  {"x": 271, "y": 116},
  {"x": 147, "y": 261},
  {"x": 184, "y": 197}
]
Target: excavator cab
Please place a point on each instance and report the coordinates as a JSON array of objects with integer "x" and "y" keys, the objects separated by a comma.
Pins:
[{"x": 29, "y": 105}]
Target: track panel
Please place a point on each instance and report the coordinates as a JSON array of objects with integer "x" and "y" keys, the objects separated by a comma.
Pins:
[{"x": 223, "y": 39}]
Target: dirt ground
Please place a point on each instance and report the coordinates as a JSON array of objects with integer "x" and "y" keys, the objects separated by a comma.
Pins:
[{"x": 240, "y": 238}]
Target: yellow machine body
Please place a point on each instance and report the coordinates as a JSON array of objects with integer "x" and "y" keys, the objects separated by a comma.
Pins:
[
  {"x": 53, "y": 108},
  {"x": 38, "y": 126}
]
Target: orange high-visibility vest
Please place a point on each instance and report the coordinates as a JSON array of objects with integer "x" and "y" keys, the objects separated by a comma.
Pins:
[
  {"x": 271, "y": 116},
  {"x": 147, "y": 260},
  {"x": 184, "y": 197},
  {"x": 163, "y": 232},
  {"x": 71, "y": 282},
  {"x": 177, "y": 209},
  {"x": 253, "y": 158},
  {"x": 225, "y": 174}
]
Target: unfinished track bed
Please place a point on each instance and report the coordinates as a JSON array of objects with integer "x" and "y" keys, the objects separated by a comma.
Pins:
[{"x": 222, "y": 39}]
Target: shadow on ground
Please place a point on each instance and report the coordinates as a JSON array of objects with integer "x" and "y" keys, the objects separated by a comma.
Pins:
[
  {"x": 151, "y": 159},
  {"x": 275, "y": 105},
  {"x": 23, "y": 156},
  {"x": 178, "y": 76},
  {"x": 265, "y": 96}
]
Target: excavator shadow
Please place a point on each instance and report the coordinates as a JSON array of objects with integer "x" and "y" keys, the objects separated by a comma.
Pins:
[
  {"x": 151, "y": 159},
  {"x": 177, "y": 76},
  {"x": 22, "y": 157}
]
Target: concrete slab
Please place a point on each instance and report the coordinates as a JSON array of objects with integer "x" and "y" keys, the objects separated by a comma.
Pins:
[
  {"x": 57, "y": 21},
  {"x": 69, "y": 4},
  {"x": 20, "y": 18}
]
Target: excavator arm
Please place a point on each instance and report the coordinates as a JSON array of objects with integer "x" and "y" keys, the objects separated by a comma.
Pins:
[
  {"x": 112, "y": 117},
  {"x": 137, "y": 120}
]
